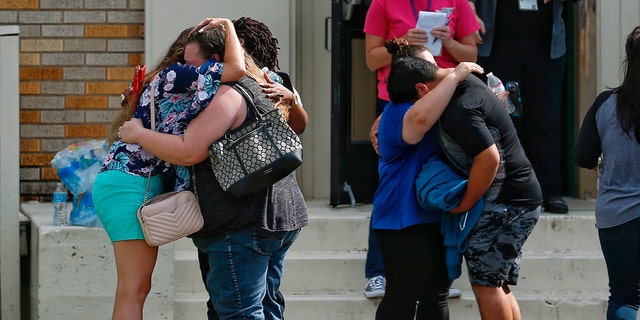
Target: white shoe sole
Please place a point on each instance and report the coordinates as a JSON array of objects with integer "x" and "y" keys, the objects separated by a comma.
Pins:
[
  {"x": 374, "y": 294},
  {"x": 454, "y": 293}
]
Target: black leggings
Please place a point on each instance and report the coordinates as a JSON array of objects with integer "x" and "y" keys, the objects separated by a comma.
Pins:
[{"x": 416, "y": 273}]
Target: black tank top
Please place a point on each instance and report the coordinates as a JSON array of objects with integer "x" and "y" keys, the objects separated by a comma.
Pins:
[{"x": 279, "y": 208}]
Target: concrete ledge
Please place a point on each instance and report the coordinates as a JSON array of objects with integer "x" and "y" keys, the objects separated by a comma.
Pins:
[{"x": 73, "y": 272}]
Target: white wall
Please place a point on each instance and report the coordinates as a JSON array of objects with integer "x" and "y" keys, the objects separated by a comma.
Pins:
[
  {"x": 616, "y": 19},
  {"x": 164, "y": 19},
  {"x": 299, "y": 27},
  {"x": 315, "y": 81},
  {"x": 9, "y": 175}
]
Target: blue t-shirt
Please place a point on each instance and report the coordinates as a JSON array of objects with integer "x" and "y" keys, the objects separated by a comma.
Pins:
[{"x": 395, "y": 205}]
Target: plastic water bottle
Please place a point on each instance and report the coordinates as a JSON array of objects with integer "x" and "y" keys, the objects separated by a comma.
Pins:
[
  {"x": 60, "y": 205},
  {"x": 496, "y": 86},
  {"x": 272, "y": 75}
]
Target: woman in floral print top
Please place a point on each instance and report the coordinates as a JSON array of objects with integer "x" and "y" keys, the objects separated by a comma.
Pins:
[{"x": 180, "y": 92}]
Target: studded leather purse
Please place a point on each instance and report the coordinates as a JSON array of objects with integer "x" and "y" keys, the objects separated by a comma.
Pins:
[{"x": 256, "y": 155}]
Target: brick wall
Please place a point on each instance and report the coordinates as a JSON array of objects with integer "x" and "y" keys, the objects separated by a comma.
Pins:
[{"x": 76, "y": 56}]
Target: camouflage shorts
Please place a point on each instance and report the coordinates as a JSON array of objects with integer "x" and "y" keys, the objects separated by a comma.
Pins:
[{"x": 495, "y": 244}]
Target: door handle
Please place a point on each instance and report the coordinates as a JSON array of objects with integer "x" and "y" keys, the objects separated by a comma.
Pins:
[{"x": 326, "y": 33}]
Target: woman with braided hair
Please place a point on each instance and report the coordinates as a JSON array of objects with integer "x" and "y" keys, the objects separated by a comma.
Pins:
[{"x": 259, "y": 43}]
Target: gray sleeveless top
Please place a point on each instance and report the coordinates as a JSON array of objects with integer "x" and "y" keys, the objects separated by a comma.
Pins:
[{"x": 278, "y": 208}]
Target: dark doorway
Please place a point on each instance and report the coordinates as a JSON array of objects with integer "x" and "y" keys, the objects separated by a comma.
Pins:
[{"x": 354, "y": 173}]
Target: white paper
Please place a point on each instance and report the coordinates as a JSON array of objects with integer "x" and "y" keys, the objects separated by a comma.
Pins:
[{"x": 427, "y": 21}]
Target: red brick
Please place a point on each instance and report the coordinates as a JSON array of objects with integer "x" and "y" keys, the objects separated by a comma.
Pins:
[
  {"x": 120, "y": 73},
  {"x": 49, "y": 173},
  {"x": 36, "y": 159},
  {"x": 29, "y": 87},
  {"x": 105, "y": 31},
  {"x": 106, "y": 87},
  {"x": 136, "y": 31},
  {"x": 30, "y": 116},
  {"x": 86, "y": 102},
  {"x": 86, "y": 131},
  {"x": 29, "y": 73},
  {"x": 19, "y": 4},
  {"x": 136, "y": 59},
  {"x": 29, "y": 145}
]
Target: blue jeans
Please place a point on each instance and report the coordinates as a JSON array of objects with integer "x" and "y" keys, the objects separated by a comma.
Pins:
[
  {"x": 621, "y": 249},
  {"x": 373, "y": 266},
  {"x": 245, "y": 272}
]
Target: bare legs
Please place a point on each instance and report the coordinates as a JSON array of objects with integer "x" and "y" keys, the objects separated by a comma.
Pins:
[
  {"x": 496, "y": 303},
  {"x": 135, "y": 261}
]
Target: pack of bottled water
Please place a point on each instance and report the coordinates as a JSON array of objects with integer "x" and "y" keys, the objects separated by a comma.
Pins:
[{"x": 77, "y": 166}]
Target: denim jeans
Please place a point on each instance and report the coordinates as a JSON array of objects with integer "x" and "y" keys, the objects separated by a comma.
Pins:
[
  {"x": 373, "y": 265},
  {"x": 621, "y": 249},
  {"x": 245, "y": 272}
]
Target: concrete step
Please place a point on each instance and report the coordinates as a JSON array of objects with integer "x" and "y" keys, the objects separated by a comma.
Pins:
[
  {"x": 545, "y": 305},
  {"x": 333, "y": 272},
  {"x": 347, "y": 229},
  {"x": 563, "y": 275}
]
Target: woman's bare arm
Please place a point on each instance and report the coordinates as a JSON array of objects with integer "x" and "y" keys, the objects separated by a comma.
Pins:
[{"x": 226, "y": 110}]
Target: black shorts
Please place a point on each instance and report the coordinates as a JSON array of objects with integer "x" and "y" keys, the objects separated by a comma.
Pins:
[{"x": 495, "y": 244}]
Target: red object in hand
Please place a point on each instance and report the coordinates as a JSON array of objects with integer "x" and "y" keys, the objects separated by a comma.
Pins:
[{"x": 138, "y": 79}]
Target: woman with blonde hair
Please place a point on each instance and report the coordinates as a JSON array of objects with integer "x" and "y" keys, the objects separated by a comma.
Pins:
[{"x": 245, "y": 239}]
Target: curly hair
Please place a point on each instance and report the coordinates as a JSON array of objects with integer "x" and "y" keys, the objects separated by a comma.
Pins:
[{"x": 258, "y": 41}]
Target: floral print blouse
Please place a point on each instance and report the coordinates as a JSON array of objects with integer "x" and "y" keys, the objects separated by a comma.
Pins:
[{"x": 181, "y": 92}]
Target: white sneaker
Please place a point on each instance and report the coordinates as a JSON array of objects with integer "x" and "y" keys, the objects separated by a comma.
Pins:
[
  {"x": 375, "y": 287},
  {"x": 454, "y": 293}
]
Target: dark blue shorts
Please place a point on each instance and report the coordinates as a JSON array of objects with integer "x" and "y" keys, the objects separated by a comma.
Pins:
[{"x": 495, "y": 244}]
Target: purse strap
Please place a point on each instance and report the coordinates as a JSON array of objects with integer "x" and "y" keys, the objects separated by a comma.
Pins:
[
  {"x": 152, "y": 106},
  {"x": 249, "y": 99},
  {"x": 153, "y": 127}
]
